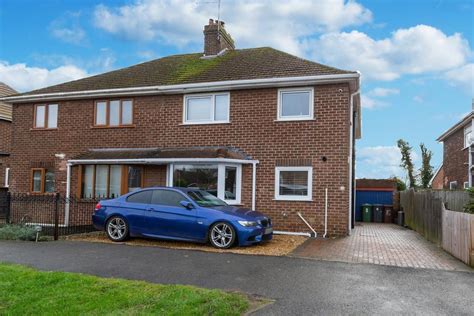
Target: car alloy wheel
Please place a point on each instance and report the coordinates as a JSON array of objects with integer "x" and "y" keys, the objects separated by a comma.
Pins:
[
  {"x": 117, "y": 229},
  {"x": 222, "y": 235}
]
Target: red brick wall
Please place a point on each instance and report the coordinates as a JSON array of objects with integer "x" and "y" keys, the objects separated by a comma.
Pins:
[
  {"x": 5, "y": 140},
  {"x": 154, "y": 176},
  {"x": 253, "y": 129},
  {"x": 439, "y": 180},
  {"x": 455, "y": 159}
]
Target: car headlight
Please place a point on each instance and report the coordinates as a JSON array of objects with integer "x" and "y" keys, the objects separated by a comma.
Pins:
[{"x": 248, "y": 223}]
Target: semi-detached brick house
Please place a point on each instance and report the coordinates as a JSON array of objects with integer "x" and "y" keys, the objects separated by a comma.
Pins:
[
  {"x": 5, "y": 133},
  {"x": 257, "y": 127},
  {"x": 457, "y": 169}
]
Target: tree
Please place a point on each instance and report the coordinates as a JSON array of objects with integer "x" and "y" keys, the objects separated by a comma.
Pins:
[
  {"x": 426, "y": 170},
  {"x": 401, "y": 186},
  {"x": 407, "y": 162}
]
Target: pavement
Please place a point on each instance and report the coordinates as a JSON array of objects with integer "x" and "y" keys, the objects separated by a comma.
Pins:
[
  {"x": 385, "y": 244},
  {"x": 298, "y": 286}
]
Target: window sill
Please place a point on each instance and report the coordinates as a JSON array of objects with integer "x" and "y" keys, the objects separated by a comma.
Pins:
[
  {"x": 234, "y": 204},
  {"x": 43, "y": 129},
  {"x": 293, "y": 199},
  {"x": 295, "y": 119},
  {"x": 205, "y": 123},
  {"x": 113, "y": 127}
]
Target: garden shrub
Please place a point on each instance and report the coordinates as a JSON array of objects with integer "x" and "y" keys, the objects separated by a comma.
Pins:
[
  {"x": 469, "y": 207},
  {"x": 17, "y": 232}
]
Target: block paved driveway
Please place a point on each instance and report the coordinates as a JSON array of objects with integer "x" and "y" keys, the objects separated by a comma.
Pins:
[{"x": 385, "y": 244}]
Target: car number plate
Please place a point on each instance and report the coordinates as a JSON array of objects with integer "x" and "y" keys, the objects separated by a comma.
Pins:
[{"x": 268, "y": 231}]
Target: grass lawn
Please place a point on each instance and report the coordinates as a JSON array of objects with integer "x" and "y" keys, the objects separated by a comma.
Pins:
[{"x": 26, "y": 291}]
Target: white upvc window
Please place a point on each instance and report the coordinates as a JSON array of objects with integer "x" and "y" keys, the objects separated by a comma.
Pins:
[
  {"x": 295, "y": 104},
  {"x": 206, "y": 108},
  {"x": 466, "y": 185},
  {"x": 221, "y": 180},
  {"x": 293, "y": 183},
  {"x": 467, "y": 136},
  {"x": 453, "y": 185},
  {"x": 46, "y": 116}
]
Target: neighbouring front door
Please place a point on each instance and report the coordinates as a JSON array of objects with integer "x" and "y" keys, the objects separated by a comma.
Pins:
[{"x": 168, "y": 218}]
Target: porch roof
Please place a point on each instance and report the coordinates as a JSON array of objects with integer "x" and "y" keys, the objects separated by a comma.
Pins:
[{"x": 218, "y": 152}]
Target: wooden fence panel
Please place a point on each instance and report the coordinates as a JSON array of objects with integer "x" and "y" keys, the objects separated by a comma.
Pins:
[
  {"x": 472, "y": 241},
  {"x": 458, "y": 230},
  {"x": 423, "y": 213}
]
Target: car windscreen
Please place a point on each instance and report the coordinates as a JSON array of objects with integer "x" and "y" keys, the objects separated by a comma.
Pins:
[{"x": 206, "y": 199}]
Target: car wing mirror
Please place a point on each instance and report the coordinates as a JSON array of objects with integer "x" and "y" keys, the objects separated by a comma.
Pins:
[{"x": 186, "y": 204}]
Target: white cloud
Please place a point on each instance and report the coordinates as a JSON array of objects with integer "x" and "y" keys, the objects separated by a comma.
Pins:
[
  {"x": 415, "y": 50},
  {"x": 24, "y": 78},
  {"x": 418, "y": 99},
  {"x": 381, "y": 162},
  {"x": 368, "y": 102},
  {"x": 281, "y": 24},
  {"x": 69, "y": 35},
  {"x": 462, "y": 77},
  {"x": 384, "y": 92},
  {"x": 372, "y": 99},
  {"x": 67, "y": 29}
]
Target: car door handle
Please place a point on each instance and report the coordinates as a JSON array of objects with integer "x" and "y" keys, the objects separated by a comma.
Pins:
[{"x": 151, "y": 209}]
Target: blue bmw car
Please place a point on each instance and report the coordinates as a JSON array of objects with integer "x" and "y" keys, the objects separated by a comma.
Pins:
[{"x": 181, "y": 214}]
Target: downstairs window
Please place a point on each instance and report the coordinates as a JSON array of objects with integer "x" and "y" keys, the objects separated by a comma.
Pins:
[
  {"x": 109, "y": 181},
  {"x": 42, "y": 180},
  {"x": 293, "y": 183}
]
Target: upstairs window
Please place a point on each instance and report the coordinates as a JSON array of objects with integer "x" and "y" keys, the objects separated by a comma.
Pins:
[
  {"x": 46, "y": 116},
  {"x": 206, "y": 109},
  {"x": 467, "y": 136},
  {"x": 453, "y": 185},
  {"x": 42, "y": 180},
  {"x": 295, "y": 104},
  {"x": 113, "y": 113}
]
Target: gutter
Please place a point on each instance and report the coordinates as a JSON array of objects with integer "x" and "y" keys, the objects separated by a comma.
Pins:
[
  {"x": 456, "y": 126},
  {"x": 187, "y": 88},
  {"x": 160, "y": 160}
]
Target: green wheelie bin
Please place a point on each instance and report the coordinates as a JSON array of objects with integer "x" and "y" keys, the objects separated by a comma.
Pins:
[{"x": 367, "y": 213}]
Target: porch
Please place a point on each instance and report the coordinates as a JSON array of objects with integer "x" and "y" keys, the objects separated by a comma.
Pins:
[{"x": 108, "y": 173}]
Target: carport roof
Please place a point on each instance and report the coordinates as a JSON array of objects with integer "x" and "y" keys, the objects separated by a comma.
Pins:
[{"x": 163, "y": 153}]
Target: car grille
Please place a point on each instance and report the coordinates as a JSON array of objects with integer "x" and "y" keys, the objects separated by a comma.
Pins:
[{"x": 265, "y": 222}]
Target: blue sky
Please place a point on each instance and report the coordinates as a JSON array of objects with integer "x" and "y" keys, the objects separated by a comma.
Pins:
[{"x": 415, "y": 57}]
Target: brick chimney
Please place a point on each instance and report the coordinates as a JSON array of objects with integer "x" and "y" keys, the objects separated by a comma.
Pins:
[{"x": 216, "y": 39}]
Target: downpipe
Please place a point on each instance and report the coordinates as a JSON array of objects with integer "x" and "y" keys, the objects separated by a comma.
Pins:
[{"x": 325, "y": 213}]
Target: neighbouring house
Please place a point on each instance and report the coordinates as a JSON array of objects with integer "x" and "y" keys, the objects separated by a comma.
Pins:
[
  {"x": 257, "y": 127},
  {"x": 5, "y": 134},
  {"x": 437, "y": 182},
  {"x": 457, "y": 168}
]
